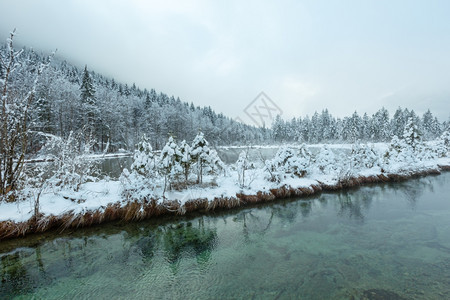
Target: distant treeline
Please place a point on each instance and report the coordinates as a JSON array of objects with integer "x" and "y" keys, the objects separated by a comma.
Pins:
[{"x": 379, "y": 127}]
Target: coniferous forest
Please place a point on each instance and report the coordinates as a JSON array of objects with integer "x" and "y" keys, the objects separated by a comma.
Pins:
[{"x": 78, "y": 100}]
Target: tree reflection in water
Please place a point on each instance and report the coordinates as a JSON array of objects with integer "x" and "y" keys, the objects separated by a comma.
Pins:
[
  {"x": 353, "y": 206},
  {"x": 24, "y": 269},
  {"x": 185, "y": 239}
]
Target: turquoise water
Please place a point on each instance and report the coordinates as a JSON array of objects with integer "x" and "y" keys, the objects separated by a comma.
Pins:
[{"x": 378, "y": 242}]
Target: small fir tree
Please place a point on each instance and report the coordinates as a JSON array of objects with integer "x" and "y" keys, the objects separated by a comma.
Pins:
[
  {"x": 200, "y": 153},
  {"x": 169, "y": 163},
  {"x": 411, "y": 134}
]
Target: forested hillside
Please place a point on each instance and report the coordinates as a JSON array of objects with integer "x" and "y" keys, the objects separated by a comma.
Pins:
[{"x": 70, "y": 99}]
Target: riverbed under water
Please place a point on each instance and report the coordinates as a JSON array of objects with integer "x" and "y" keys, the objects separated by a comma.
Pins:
[{"x": 388, "y": 241}]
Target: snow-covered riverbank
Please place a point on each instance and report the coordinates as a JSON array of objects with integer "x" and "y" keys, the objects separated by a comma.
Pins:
[{"x": 293, "y": 172}]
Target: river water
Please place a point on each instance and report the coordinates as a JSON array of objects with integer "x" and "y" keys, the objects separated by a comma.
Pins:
[
  {"x": 387, "y": 241},
  {"x": 113, "y": 166}
]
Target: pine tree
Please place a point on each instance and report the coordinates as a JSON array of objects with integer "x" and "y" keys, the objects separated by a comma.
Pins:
[
  {"x": 169, "y": 162},
  {"x": 427, "y": 124},
  {"x": 186, "y": 159},
  {"x": 326, "y": 122},
  {"x": 144, "y": 161},
  {"x": 200, "y": 152},
  {"x": 288, "y": 162},
  {"x": 411, "y": 134},
  {"x": 381, "y": 125},
  {"x": 88, "y": 102},
  {"x": 325, "y": 160},
  {"x": 398, "y": 122},
  {"x": 443, "y": 145},
  {"x": 87, "y": 88}
]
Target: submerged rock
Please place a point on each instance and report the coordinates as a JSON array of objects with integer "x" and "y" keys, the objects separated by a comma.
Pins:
[{"x": 380, "y": 294}]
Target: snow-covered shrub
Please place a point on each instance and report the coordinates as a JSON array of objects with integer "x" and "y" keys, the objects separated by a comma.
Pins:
[
  {"x": 445, "y": 138},
  {"x": 205, "y": 159},
  {"x": 363, "y": 156},
  {"x": 214, "y": 164},
  {"x": 442, "y": 148},
  {"x": 68, "y": 164},
  {"x": 287, "y": 162},
  {"x": 392, "y": 154},
  {"x": 136, "y": 186},
  {"x": 170, "y": 163},
  {"x": 399, "y": 156},
  {"x": 140, "y": 181},
  {"x": 426, "y": 152},
  {"x": 325, "y": 160}
]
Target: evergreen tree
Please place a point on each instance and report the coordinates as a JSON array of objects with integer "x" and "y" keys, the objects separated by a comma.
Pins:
[
  {"x": 398, "y": 122},
  {"x": 186, "y": 159},
  {"x": 381, "y": 125},
  {"x": 87, "y": 88},
  {"x": 279, "y": 129},
  {"x": 144, "y": 161},
  {"x": 427, "y": 124},
  {"x": 170, "y": 162},
  {"x": 411, "y": 134},
  {"x": 200, "y": 153},
  {"x": 88, "y": 102},
  {"x": 326, "y": 122}
]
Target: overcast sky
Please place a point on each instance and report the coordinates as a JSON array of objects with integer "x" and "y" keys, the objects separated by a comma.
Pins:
[{"x": 305, "y": 55}]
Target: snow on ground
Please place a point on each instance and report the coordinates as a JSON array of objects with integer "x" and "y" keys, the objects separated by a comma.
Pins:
[
  {"x": 92, "y": 196},
  {"x": 97, "y": 195}
]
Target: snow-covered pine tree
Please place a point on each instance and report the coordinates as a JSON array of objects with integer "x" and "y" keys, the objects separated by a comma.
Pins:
[
  {"x": 200, "y": 154},
  {"x": 90, "y": 113},
  {"x": 398, "y": 156},
  {"x": 398, "y": 122},
  {"x": 169, "y": 163},
  {"x": 144, "y": 161},
  {"x": 443, "y": 144},
  {"x": 427, "y": 125},
  {"x": 325, "y": 161},
  {"x": 214, "y": 163},
  {"x": 186, "y": 159},
  {"x": 366, "y": 127},
  {"x": 381, "y": 125},
  {"x": 286, "y": 162},
  {"x": 411, "y": 134},
  {"x": 394, "y": 150},
  {"x": 445, "y": 137},
  {"x": 139, "y": 183}
]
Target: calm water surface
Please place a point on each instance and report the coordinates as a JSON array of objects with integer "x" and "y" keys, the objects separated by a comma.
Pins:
[{"x": 378, "y": 242}]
